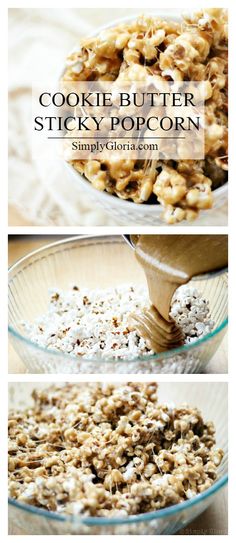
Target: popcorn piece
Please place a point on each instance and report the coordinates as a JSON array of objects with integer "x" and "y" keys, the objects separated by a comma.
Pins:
[{"x": 95, "y": 323}]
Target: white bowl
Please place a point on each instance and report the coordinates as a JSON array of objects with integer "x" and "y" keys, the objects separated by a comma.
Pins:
[{"x": 129, "y": 214}]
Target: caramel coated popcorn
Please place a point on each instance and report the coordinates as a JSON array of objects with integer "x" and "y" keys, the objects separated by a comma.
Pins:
[
  {"x": 192, "y": 50},
  {"x": 108, "y": 450}
]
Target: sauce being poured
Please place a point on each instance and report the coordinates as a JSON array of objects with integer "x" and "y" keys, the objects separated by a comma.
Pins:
[{"x": 168, "y": 262}]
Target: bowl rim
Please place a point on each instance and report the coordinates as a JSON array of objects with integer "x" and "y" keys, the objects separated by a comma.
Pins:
[
  {"x": 145, "y": 358},
  {"x": 156, "y": 208},
  {"x": 104, "y": 195},
  {"x": 144, "y": 517}
]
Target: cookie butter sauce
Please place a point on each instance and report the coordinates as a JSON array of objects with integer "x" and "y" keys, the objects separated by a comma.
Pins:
[{"x": 168, "y": 262}]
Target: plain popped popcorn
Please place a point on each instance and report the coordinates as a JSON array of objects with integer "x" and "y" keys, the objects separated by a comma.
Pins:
[{"x": 95, "y": 323}]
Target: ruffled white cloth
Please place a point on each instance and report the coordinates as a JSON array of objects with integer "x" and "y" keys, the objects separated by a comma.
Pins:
[{"x": 39, "y": 42}]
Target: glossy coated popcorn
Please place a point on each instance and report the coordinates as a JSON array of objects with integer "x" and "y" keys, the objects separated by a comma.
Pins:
[
  {"x": 108, "y": 450},
  {"x": 192, "y": 50}
]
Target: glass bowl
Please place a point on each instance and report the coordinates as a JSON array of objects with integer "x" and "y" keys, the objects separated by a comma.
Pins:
[
  {"x": 99, "y": 262},
  {"x": 210, "y": 398}
]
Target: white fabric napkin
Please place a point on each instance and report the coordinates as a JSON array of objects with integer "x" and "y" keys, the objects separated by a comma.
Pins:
[{"x": 39, "y": 40}]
